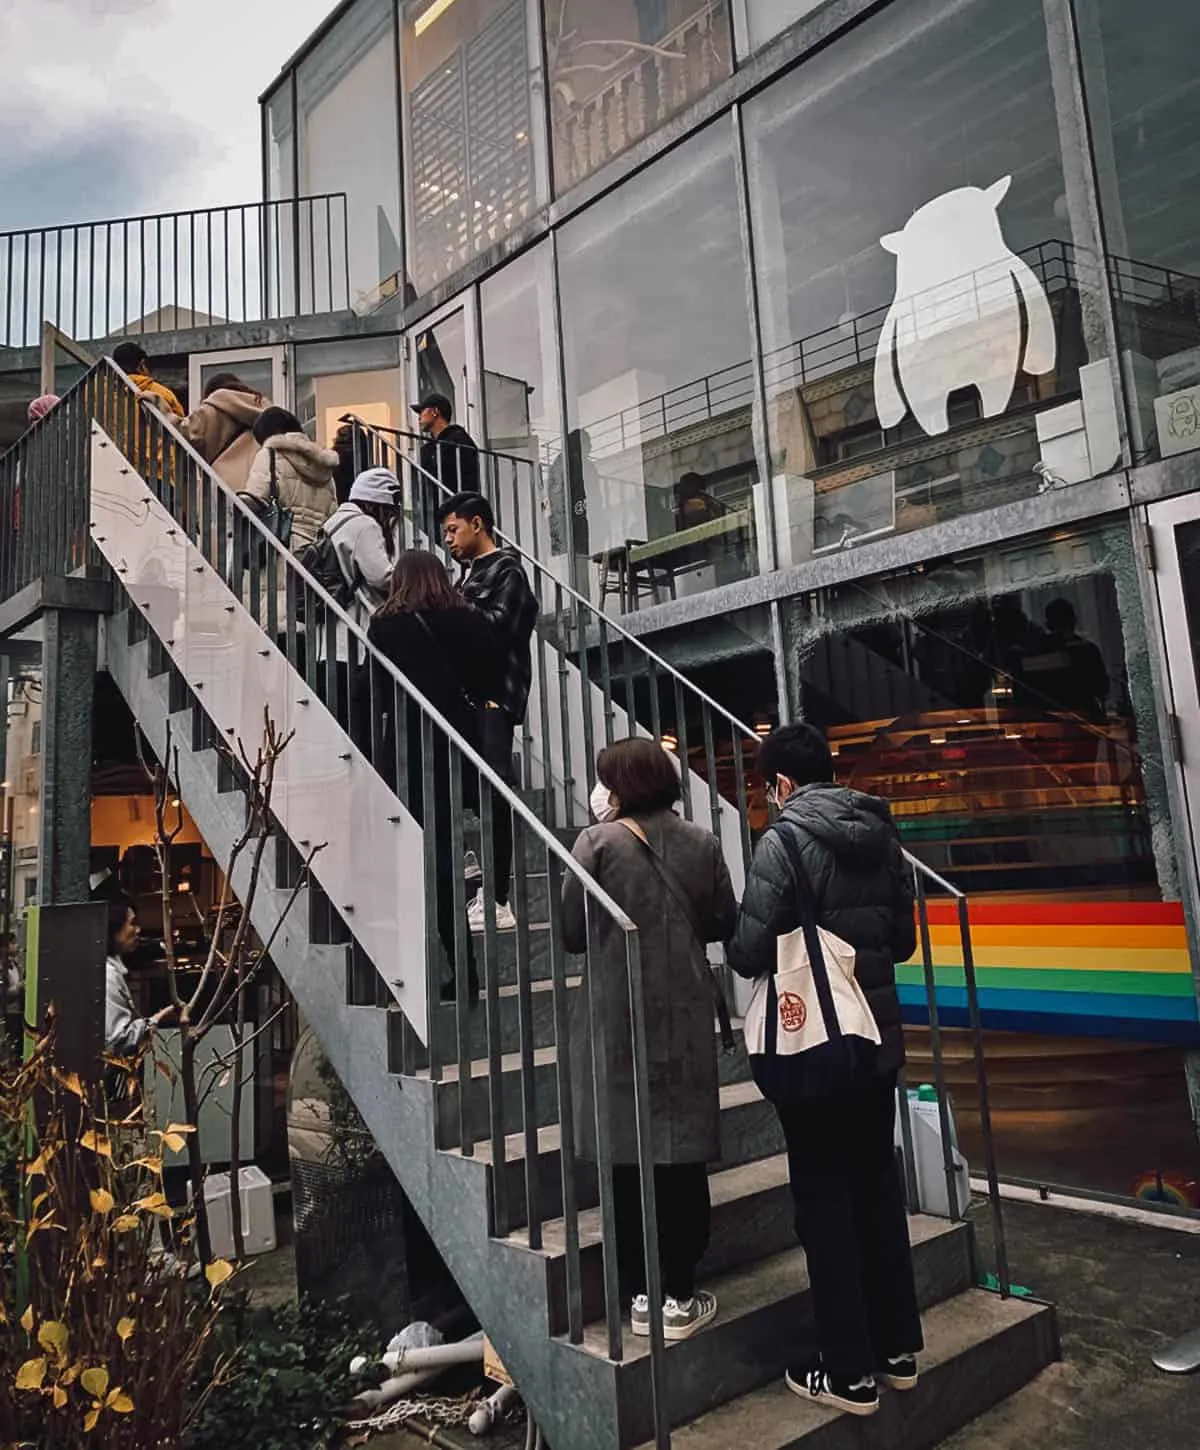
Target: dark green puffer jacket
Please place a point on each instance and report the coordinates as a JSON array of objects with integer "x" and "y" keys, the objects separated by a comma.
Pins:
[{"x": 862, "y": 888}]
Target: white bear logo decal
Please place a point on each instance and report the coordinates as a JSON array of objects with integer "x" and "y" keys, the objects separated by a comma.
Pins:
[{"x": 955, "y": 321}]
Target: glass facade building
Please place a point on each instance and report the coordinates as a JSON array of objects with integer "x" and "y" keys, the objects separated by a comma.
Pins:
[{"x": 852, "y": 352}]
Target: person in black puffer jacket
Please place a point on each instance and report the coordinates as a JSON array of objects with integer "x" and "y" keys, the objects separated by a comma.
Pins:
[{"x": 850, "y": 1214}]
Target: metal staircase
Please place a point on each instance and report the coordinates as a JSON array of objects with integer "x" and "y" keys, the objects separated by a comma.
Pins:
[{"x": 471, "y": 1104}]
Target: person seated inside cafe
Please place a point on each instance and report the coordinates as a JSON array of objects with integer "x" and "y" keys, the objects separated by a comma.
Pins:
[{"x": 694, "y": 504}]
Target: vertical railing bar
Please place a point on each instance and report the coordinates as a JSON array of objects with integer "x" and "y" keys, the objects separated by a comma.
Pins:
[
  {"x": 529, "y": 1125},
  {"x": 585, "y": 695},
  {"x": 566, "y": 1120},
  {"x": 495, "y": 1042},
  {"x": 681, "y": 737},
  {"x": 985, "y": 1108},
  {"x": 565, "y": 714},
  {"x": 650, "y": 1235},
  {"x": 430, "y": 825},
  {"x": 462, "y": 1004},
  {"x": 602, "y": 1115},
  {"x": 935, "y": 1035},
  {"x": 710, "y": 760},
  {"x": 739, "y": 778},
  {"x": 912, "y": 1190},
  {"x": 606, "y": 683}
]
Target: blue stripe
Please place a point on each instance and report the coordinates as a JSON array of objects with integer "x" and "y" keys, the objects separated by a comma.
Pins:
[{"x": 1070, "y": 1014}]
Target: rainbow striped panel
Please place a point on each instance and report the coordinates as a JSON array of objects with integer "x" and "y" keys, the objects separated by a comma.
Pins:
[{"x": 1085, "y": 969}]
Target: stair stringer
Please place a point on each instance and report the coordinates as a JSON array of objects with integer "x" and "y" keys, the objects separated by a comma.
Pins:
[{"x": 573, "y": 1395}]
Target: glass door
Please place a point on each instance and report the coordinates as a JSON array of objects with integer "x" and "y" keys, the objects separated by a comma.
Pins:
[
  {"x": 262, "y": 368},
  {"x": 443, "y": 357},
  {"x": 1175, "y": 533}
]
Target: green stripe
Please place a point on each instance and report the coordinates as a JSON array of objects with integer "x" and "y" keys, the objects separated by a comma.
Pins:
[{"x": 1117, "y": 984}]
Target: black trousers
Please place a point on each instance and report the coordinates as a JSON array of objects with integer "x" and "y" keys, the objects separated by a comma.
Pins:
[
  {"x": 683, "y": 1208},
  {"x": 496, "y": 731},
  {"x": 851, "y": 1221}
]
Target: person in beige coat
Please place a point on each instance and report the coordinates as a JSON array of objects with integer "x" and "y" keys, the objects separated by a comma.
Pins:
[
  {"x": 221, "y": 428},
  {"x": 302, "y": 475}
]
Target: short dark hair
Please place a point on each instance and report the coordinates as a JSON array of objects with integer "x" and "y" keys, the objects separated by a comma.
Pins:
[
  {"x": 271, "y": 422},
  {"x": 130, "y": 357},
  {"x": 800, "y": 752},
  {"x": 218, "y": 381},
  {"x": 641, "y": 775},
  {"x": 119, "y": 907},
  {"x": 469, "y": 506},
  {"x": 1061, "y": 616}
]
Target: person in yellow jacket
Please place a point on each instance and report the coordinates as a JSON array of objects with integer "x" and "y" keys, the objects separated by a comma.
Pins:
[{"x": 131, "y": 358}]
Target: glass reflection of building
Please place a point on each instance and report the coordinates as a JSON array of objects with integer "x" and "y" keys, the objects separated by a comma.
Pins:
[{"x": 844, "y": 355}]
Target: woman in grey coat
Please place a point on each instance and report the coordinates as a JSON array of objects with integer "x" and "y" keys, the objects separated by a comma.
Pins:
[{"x": 671, "y": 879}]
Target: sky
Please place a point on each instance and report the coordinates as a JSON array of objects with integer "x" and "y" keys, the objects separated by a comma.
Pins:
[{"x": 112, "y": 108}]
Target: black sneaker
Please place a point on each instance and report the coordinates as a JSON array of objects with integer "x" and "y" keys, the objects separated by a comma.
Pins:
[
  {"x": 859, "y": 1398},
  {"x": 899, "y": 1372}
]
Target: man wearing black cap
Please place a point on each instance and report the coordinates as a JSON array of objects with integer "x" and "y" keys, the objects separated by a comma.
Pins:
[{"x": 449, "y": 452}]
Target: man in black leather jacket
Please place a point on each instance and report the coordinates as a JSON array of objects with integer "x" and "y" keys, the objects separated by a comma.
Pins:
[{"x": 850, "y": 1213}]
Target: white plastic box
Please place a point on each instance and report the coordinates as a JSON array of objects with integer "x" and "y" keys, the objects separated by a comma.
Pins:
[
  {"x": 258, "y": 1212},
  {"x": 928, "y": 1161}
]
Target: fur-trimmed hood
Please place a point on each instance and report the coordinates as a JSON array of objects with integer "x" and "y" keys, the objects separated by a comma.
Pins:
[{"x": 314, "y": 464}]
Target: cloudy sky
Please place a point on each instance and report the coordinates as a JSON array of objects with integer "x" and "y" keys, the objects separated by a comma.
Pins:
[{"x": 113, "y": 108}]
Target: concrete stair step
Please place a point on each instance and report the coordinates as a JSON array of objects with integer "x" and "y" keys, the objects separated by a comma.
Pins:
[
  {"x": 749, "y": 1131},
  {"x": 751, "y": 1218},
  {"x": 979, "y": 1349},
  {"x": 764, "y": 1322}
]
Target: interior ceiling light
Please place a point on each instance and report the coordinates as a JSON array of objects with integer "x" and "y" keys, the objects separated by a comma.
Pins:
[{"x": 439, "y": 7}]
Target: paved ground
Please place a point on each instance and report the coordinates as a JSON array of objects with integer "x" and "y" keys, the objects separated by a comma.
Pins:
[{"x": 1121, "y": 1290}]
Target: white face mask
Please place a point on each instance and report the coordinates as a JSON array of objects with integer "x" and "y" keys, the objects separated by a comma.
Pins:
[{"x": 604, "y": 807}]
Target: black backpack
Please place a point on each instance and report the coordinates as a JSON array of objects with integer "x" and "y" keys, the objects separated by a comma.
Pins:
[{"x": 322, "y": 561}]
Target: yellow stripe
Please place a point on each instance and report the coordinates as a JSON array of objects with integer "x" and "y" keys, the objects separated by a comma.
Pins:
[
  {"x": 1160, "y": 938},
  {"x": 1087, "y": 959}
]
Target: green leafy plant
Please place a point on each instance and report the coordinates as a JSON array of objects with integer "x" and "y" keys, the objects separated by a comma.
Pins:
[{"x": 274, "y": 1380}]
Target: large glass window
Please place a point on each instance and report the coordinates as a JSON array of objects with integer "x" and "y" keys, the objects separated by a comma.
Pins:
[
  {"x": 475, "y": 154},
  {"x": 523, "y": 403},
  {"x": 932, "y": 331},
  {"x": 757, "y": 21},
  {"x": 620, "y": 68},
  {"x": 656, "y": 341},
  {"x": 346, "y": 91},
  {"x": 1003, "y": 704},
  {"x": 1143, "y": 94}
]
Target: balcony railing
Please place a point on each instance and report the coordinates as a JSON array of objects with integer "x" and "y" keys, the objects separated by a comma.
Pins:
[{"x": 175, "y": 270}]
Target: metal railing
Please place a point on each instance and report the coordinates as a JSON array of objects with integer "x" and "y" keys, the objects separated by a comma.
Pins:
[
  {"x": 523, "y": 976},
  {"x": 850, "y": 343},
  {"x": 175, "y": 270},
  {"x": 674, "y": 709},
  {"x": 437, "y": 774}
]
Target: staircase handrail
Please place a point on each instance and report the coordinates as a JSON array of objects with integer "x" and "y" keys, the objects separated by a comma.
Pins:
[{"x": 110, "y": 401}]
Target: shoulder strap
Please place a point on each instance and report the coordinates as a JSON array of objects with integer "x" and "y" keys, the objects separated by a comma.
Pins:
[
  {"x": 274, "y": 476},
  {"x": 808, "y": 924},
  {"x": 676, "y": 888}
]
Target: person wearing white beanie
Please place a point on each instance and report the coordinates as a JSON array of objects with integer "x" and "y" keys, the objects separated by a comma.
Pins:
[{"x": 364, "y": 531}]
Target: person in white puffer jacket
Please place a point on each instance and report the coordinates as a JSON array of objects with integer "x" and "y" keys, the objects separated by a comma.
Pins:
[{"x": 303, "y": 474}]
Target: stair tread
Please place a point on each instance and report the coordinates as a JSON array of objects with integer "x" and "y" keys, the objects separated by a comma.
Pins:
[
  {"x": 726, "y": 1185},
  {"x": 773, "y": 1418},
  {"x": 549, "y": 1139},
  {"x": 743, "y": 1291}
]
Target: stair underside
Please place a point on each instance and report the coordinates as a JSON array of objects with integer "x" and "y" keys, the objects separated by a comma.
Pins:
[{"x": 979, "y": 1349}]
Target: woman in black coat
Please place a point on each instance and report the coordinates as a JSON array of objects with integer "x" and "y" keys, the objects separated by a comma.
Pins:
[
  {"x": 670, "y": 878},
  {"x": 849, "y": 1206},
  {"x": 448, "y": 651}
]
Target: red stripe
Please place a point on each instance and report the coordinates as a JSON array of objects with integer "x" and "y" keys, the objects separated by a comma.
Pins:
[{"x": 1077, "y": 913}]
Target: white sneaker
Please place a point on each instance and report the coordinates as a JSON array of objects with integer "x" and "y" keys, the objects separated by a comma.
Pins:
[
  {"x": 477, "y": 919},
  {"x": 639, "y": 1316},
  {"x": 472, "y": 870}
]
